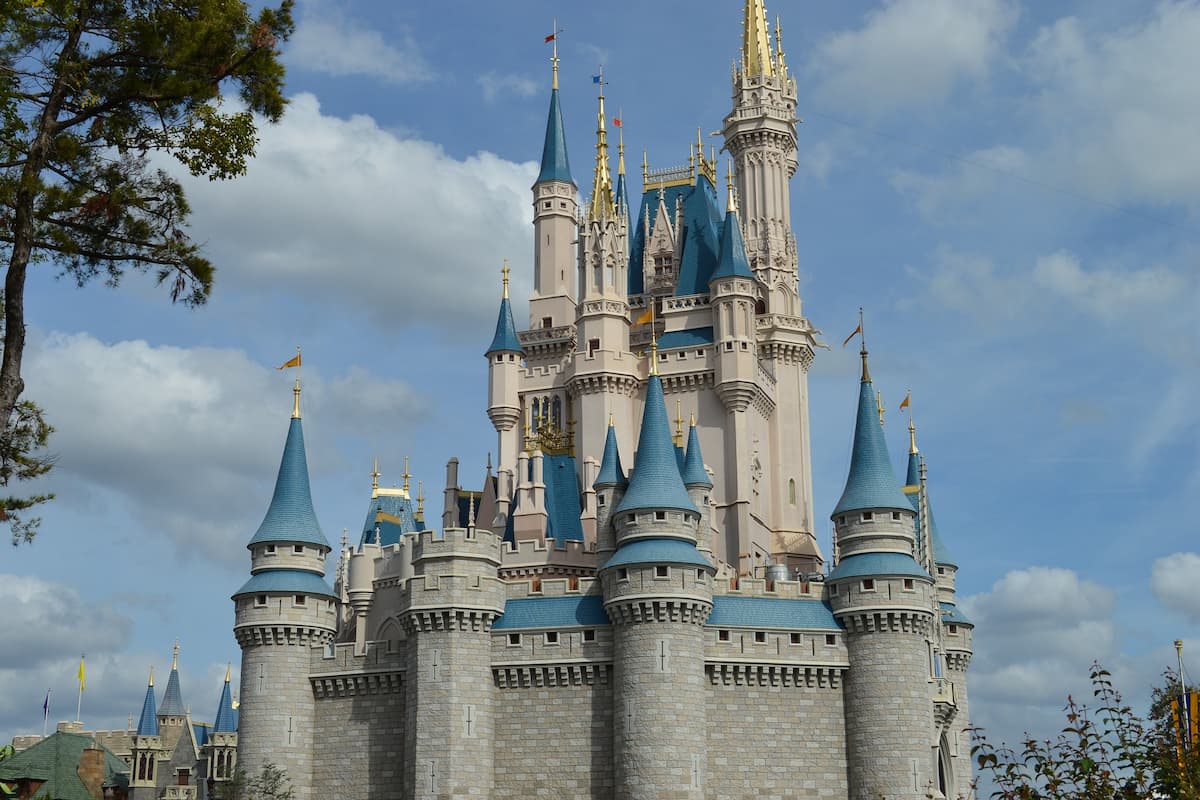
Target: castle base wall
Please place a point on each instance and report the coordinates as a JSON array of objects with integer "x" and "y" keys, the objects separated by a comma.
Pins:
[{"x": 365, "y": 717}]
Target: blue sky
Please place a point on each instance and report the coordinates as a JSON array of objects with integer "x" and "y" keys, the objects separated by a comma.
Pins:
[{"x": 1011, "y": 190}]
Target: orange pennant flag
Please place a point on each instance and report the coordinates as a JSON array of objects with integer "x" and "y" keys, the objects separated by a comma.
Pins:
[
  {"x": 906, "y": 401},
  {"x": 856, "y": 332},
  {"x": 644, "y": 318},
  {"x": 294, "y": 361}
]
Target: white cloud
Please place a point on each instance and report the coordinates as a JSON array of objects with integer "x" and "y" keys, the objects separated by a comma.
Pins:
[
  {"x": 1121, "y": 108},
  {"x": 911, "y": 52},
  {"x": 393, "y": 228},
  {"x": 169, "y": 429},
  {"x": 1107, "y": 293},
  {"x": 51, "y": 621},
  {"x": 326, "y": 41},
  {"x": 972, "y": 180},
  {"x": 494, "y": 84},
  {"x": 1174, "y": 580}
]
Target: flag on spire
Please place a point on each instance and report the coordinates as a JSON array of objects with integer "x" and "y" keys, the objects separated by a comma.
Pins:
[
  {"x": 294, "y": 361},
  {"x": 616, "y": 122},
  {"x": 907, "y": 401},
  {"x": 551, "y": 38},
  {"x": 80, "y": 675},
  {"x": 856, "y": 332}
]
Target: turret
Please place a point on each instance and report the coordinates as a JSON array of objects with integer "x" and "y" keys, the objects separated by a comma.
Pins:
[
  {"x": 147, "y": 749},
  {"x": 699, "y": 487},
  {"x": 505, "y": 356},
  {"x": 172, "y": 714},
  {"x": 884, "y": 599},
  {"x": 223, "y": 738},
  {"x": 280, "y": 613},
  {"x": 555, "y": 211},
  {"x": 610, "y": 487},
  {"x": 658, "y": 594}
]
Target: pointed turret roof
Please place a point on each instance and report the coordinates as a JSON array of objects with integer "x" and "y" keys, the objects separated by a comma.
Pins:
[
  {"x": 912, "y": 489},
  {"x": 226, "y": 719},
  {"x": 172, "y": 704},
  {"x": 694, "y": 473},
  {"x": 148, "y": 721},
  {"x": 602, "y": 205},
  {"x": 611, "y": 473},
  {"x": 756, "y": 44},
  {"x": 731, "y": 259},
  {"x": 555, "y": 166},
  {"x": 290, "y": 517},
  {"x": 656, "y": 482},
  {"x": 505, "y": 339},
  {"x": 871, "y": 482}
]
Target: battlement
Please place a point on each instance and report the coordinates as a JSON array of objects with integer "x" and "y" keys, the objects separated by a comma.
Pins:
[
  {"x": 758, "y": 587},
  {"x": 337, "y": 671},
  {"x": 551, "y": 587},
  {"x": 469, "y": 543},
  {"x": 534, "y": 553}
]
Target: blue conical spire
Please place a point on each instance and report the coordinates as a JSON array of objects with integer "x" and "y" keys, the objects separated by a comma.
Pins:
[
  {"x": 912, "y": 489},
  {"x": 505, "y": 340},
  {"x": 172, "y": 704},
  {"x": 656, "y": 482},
  {"x": 611, "y": 473},
  {"x": 290, "y": 517},
  {"x": 555, "y": 166},
  {"x": 226, "y": 720},
  {"x": 148, "y": 721},
  {"x": 871, "y": 482},
  {"x": 732, "y": 261},
  {"x": 694, "y": 473}
]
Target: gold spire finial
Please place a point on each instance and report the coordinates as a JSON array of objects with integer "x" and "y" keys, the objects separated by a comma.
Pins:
[
  {"x": 879, "y": 405},
  {"x": 375, "y": 473},
  {"x": 678, "y": 422},
  {"x": 406, "y": 476},
  {"x": 862, "y": 337},
  {"x": 228, "y": 670},
  {"x": 554, "y": 56},
  {"x": 756, "y": 44},
  {"x": 610, "y": 419},
  {"x": 420, "y": 499},
  {"x": 151, "y": 675},
  {"x": 779, "y": 57},
  {"x": 731, "y": 200},
  {"x": 620, "y": 142},
  {"x": 602, "y": 189},
  {"x": 912, "y": 435},
  {"x": 175, "y": 655},
  {"x": 504, "y": 277}
]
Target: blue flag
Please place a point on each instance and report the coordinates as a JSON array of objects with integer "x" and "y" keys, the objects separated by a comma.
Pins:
[
  {"x": 46, "y": 705},
  {"x": 595, "y": 79}
]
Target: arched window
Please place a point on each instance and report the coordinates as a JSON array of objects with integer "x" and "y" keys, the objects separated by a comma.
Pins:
[
  {"x": 534, "y": 414},
  {"x": 556, "y": 414},
  {"x": 792, "y": 491}
]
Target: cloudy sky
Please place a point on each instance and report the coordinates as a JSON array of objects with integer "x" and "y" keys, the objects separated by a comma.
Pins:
[{"x": 1011, "y": 190}]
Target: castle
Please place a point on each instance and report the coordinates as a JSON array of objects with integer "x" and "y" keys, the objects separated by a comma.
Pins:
[{"x": 580, "y": 629}]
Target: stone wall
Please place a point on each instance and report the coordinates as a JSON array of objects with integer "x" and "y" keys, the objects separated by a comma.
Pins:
[{"x": 359, "y": 733}]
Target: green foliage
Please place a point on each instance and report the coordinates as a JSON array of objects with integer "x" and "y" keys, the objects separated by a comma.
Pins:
[
  {"x": 90, "y": 90},
  {"x": 22, "y": 458},
  {"x": 271, "y": 783},
  {"x": 1102, "y": 753}
]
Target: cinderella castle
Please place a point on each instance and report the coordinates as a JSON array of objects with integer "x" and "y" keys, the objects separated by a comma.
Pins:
[{"x": 629, "y": 606}]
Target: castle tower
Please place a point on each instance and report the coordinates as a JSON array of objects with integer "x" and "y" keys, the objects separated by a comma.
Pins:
[
  {"x": 760, "y": 132},
  {"x": 172, "y": 714},
  {"x": 732, "y": 295},
  {"x": 223, "y": 738},
  {"x": 658, "y": 594},
  {"x": 699, "y": 488},
  {"x": 555, "y": 211},
  {"x": 610, "y": 485},
  {"x": 953, "y": 640},
  {"x": 147, "y": 749},
  {"x": 447, "y": 610},
  {"x": 284, "y": 610},
  {"x": 505, "y": 356},
  {"x": 885, "y": 601},
  {"x": 604, "y": 378}
]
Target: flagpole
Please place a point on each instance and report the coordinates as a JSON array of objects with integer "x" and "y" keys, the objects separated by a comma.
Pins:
[
  {"x": 1186, "y": 737},
  {"x": 79, "y": 700},
  {"x": 45, "y": 713}
]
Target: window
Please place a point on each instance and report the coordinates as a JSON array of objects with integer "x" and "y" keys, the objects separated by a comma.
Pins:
[
  {"x": 941, "y": 570},
  {"x": 550, "y": 637},
  {"x": 868, "y": 584},
  {"x": 514, "y": 639},
  {"x": 623, "y": 574},
  {"x": 593, "y": 346},
  {"x": 744, "y": 346},
  {"x": 722, "y": 636},
  {"x": 599, "y": 499},
  {"x": 729, "y": 346},
  {"x": 661, "y": 571},
  {"x": 895, "y": 516},
  {"x": 589, "y": 635},
  {"x": 298, "y": 549},
  {"x": 796, "y": 638},
  {"x": 700, "y": 575},
  {"x": 546, "y": 204},
  {"x": 760, "y": 637},
  {"x": 830, "y": 639},
  {"x": 270, "y": 549},
  {"x": 833, "y": 590},
  {"x": 547, "y": 322},
  {"x": 842, "y": 519},
  {"x": 500, "y": 358},
  {"x": 260, "y": 600},
  {"x": 660, "y": 515},
  {"x": 299, "y": 600},
  {"x": 867, "y": 516},
  {"x": 699, "y": 353},
  {"x": 953, "y": 630},
  {"x": 908, "y": 584},
  {"x": 792, "y": 491}
]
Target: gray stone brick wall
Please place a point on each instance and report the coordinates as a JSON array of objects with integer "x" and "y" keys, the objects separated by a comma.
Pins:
[
  {"x": 775, "y": 742},
  {"x": 555, "y": 741},
  {"x": 360, "y": 743}
]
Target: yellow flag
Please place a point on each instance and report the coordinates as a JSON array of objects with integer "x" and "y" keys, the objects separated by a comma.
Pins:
[
  {"x": 644, "y": 318},
  {"x": 294, "y": 361},
  {"x": 856, "y": 332},
  {"x": 82, "y": 682},
  {"x": 906, "y": 401}
]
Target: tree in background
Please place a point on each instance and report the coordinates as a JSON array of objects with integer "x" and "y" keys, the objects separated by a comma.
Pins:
[
  {"x": 271, "y": 783},
  {"x": 1105, "y": 753},
  {"x": 89, "y": 89}
]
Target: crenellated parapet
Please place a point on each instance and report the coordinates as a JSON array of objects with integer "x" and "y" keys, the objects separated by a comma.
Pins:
[
  {"x": 341, "y": 671},
  {"x": 760, "y": 587},
  {"x": 455, "y": 585}
]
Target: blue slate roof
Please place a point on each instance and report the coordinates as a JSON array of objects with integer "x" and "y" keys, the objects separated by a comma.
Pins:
[
  {"x": 701, "y": 236},
  {"x": 951, "y": 613},
  {"x": 552, "y": 612},
  {"x": 555, "y": 166},
  {"x": 694, "y": 473},
  {"x": 690, "y": 337},
  {"x": 913, "y": 477},
  {"x": 505, "y": 339},
  {"x": 871, "y": 482},
  {"x": 290, "y": 581},
  {"x": 656, "y": 482},
  {"x": 620, "y": 198},
  {"x": 912, "y": 491},
  {"x": 771, "y": 612},
  {"x": 226, "y": 720},
  {"x": 871, "y": 564},
  {"x": 394, "y": 506},
  {"x": 148, "y": 721},
  {"x": 201, "y": 730},
  {"x": 290, "y": 517},
  {"x": 656, "y": 551},
  {"x": 732, "y": 261},
  {"x": 172, "y": 704},
  {"x": 610, "y": 473},
  {"x": 563, "y": 510}
]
